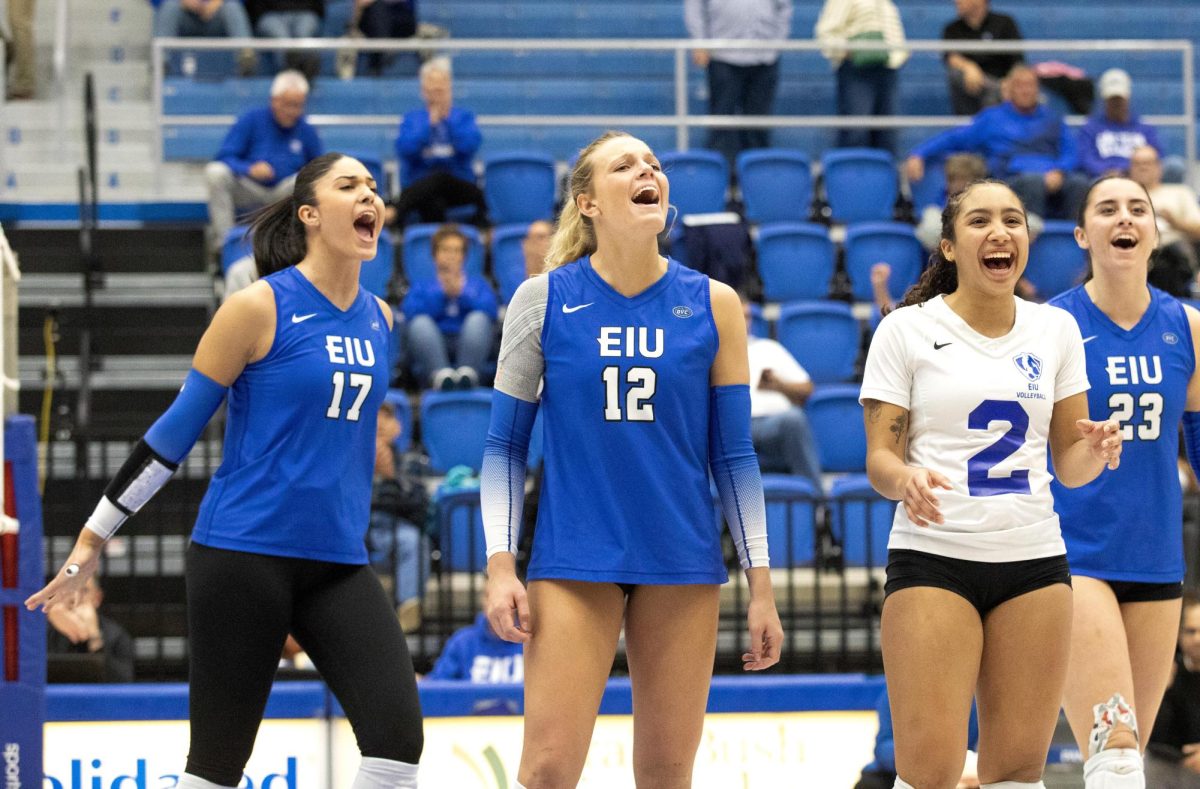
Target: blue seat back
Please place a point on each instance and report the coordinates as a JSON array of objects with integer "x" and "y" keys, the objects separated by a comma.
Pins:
[
  {"x": 823, "y": 336},
  {"x": 893, "y": 243},
  {"x": 759, "y": 326},
  {"x": 1056, "y": 263},
  {"x": 399, "y": 400},
  {"x": 698, "y": 178},
  {"x": 238, "y": 244},
  {"x": 776, "y": 184},
  {"x": 418, "y": 252},
  {"x": 861, "y": 520},
  {"x": 460, "y": 530},
  {"x": 376, "y": 275},
  {"x": 836, "y": 419},
  {"x": 861, "y": 184},
  {"x": 508, "y": 258},
  {"x": 930, "y": 190},
  {"x": 791, "y": 517},
  {"x": 454, "y": 427},
  {"x": 795, "y": 261},
  {"x": 519, "y": 186}
]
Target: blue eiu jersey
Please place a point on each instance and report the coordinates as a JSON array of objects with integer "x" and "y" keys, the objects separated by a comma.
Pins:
[
  {"x": 625, "y": 401},
  {"x": 1127, "y": 525},
  {"x": 299, "y": 457}
]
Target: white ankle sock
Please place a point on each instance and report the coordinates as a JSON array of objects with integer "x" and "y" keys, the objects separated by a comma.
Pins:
[
  {"x": 385, "y": 774},
  {"x": 1114, "y": 768},
  {"x": 189, "y": 781},
  {"x": 1014, "y": 785}
]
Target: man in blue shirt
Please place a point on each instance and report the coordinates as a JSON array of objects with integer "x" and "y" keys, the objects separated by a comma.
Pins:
[
  {"x": 436, "y": 146},
  {"x": 1024, "y": 142},
  {"x": 1109, "y": 138},
  {"x": 261, "y": 154},
  {"x": 450, "y": 317},
  {"x": 477, "y": 654}
]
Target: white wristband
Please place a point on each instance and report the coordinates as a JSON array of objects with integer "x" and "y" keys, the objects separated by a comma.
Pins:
[{"x": 105, "y": 519}]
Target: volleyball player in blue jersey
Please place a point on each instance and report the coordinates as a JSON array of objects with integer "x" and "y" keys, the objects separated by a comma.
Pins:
[
  {"x": 1124, "y": 530},
  {"x": 640, "y": 368},
  {"x": 278, "y": 546}
]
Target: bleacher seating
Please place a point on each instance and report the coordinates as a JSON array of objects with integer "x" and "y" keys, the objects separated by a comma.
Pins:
[
  {"x": 418, "y": 251},
  {"x": 795, "y": 260},
  {"x": 823, "y": 336},
  {"x": 894, "y": 243},
  {"x": 1056, "y": 263}
]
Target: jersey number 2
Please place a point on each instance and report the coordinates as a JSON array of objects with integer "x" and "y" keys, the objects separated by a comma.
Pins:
[
  {"x": 359, "y": 381},
  {"x": 979, "y": 465},
  {"x": 638, "y": 408}
]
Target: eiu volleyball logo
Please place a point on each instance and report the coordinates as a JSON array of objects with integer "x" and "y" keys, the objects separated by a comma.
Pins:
[{"x": 1029, "y": 365}]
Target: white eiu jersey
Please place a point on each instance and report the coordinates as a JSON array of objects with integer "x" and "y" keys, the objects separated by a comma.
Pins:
[{"x": 979, "y": 413}]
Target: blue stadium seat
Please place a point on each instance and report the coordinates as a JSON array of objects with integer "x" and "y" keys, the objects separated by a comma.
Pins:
[
  {"x": 376, "y": 275},
  {"x": 417, "y": 252},
  {"x": 508, "y": 259},
  {"x": 460, "y": 530},
  {"x": 759, "y": 326},
  {"x": 861, "y": 520},
  {"x": 931, "y": 189},
  {"x": 399, "y": 400},
  {"x": 519, "y": 186},
  {"x": 791, "y": 517},
  {"x": 823, "y": 336},
  {"x": 698, "y": 178},
  {"x": 454, "y": 427},
  {"x": 861, "y": 184},
  {"x": 795, "y": 260},
  {"x": 192, "y": 143},
  {"x": 836, "y": 419},
  {"x": 237, "y": 245},
  {"x": 776, "y": 184},
  {"x": 1056, "y": 263},
  {"x": 893, "y": 243},
  {"x": 372, "y": 141}
]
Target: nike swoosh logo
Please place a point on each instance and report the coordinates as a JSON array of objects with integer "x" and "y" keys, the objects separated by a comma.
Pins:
[
  {"x": 1089, "y": 339},
  {"x": 568, "y": 310},
  {"x": 302, "y": 318},
  {"x": 938, "y": 347}
]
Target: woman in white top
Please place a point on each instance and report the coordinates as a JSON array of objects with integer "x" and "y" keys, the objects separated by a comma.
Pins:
[{"x": 965, "y": 387}]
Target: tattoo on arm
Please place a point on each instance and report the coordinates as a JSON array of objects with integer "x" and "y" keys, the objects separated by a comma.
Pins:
[
  {"x": 873, "y": 409},
  {"x": 899, "y": 426}
]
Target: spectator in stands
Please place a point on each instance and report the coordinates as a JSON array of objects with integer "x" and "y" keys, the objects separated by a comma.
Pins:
[
  {"x": 779, "y": 427},
  {"x": 960, "y": 169},
  {"x": 20, "y": 51},
  {"x": 436, "y": 146},
  {"x": 477, "y": 654},
  {"x": 1173, "y": 754},
  {"x": 1112, "y": 134},
  {"x": 1024, "y": 142},
  {"x": 450, "y": 317},
  {"x": 261, "y": 154},
  {"x": 396, "y": 543},
  {"x": 207, "y": 19},
  {"x": 535, "y": 246},
  {"x": 866, "y": 79},
  {"x": 386, "y": 19},
  {"x": 742, "y": 81},
  {"x": 1178, "y": 214},
  {"x": 290, "y": 19},
  {"x": 974, "y": 77},
  {"x": 881, "y": 772},
  {"x": 84, "y": 630}
]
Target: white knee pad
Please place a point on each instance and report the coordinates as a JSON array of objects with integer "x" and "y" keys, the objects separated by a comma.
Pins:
[
  {"x": 1116, "y": 768},
  {"x": 902, "y": 784},
  {"x": 376, "y": 773},
  {"x": 1105, "y": 717},
  {"x": 1014, "y": 785}
]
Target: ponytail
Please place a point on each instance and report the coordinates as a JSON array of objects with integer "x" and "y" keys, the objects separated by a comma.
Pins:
[
  {"x": 574, "y": 236},
  {"x": 279, "y": 237}
]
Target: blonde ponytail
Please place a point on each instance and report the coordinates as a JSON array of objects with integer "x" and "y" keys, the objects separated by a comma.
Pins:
[{"x": 574, "y": 236}]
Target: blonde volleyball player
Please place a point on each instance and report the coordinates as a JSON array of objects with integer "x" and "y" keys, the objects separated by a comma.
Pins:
[{"x": 965, "y": 388}]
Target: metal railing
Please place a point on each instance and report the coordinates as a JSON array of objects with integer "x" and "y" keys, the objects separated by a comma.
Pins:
[{"x": 681, "y": 120}]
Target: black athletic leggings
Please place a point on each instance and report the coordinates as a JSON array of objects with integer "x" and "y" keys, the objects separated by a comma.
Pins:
[{"x": 241, "y": 607}]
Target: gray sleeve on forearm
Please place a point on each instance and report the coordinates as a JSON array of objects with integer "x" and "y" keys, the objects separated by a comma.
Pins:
[{"x": 519, "y": 369}]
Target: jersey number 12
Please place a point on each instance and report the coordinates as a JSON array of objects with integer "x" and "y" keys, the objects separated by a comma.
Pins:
[{"x": 638, "y": 408}]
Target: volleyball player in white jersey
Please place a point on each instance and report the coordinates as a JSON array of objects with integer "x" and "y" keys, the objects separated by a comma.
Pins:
[
  {"x": 965, "y": 388},
  {"x": 1127, "y": 561}
]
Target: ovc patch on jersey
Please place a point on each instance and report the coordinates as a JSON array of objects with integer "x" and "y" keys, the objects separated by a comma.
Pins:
[
  {"x": 1029, "y": 365},
  {"x": 682, "y": 311}
]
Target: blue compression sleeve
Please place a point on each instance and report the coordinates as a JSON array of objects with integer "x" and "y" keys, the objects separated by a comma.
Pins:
[
  {"x": 1191, "y": 439},
  {"x": 180, "y": 426},
  {"x": 736, "y": 472},
  {"x": 502, "y": 477}
]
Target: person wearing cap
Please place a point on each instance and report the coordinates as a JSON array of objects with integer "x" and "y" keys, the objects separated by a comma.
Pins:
[{"x": 1114, "y": 132}]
